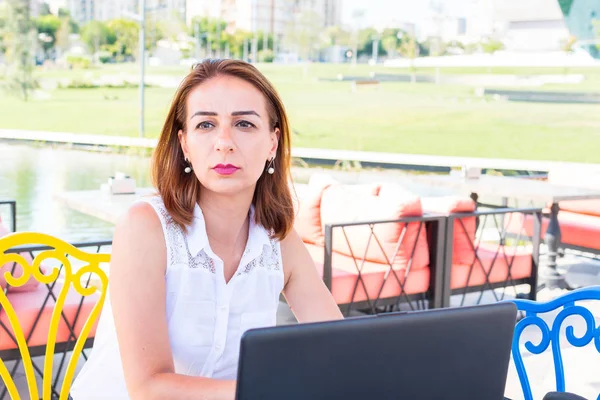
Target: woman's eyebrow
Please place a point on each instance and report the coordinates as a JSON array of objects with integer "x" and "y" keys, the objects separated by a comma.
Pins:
[
  {"x": 233, "y": 114},
  {"x": 237, "y": 113},
  {"x": 205, "y": 113}
]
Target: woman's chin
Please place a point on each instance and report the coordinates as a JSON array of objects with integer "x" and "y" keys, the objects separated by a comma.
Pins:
[{"x": 230, "y": 187}]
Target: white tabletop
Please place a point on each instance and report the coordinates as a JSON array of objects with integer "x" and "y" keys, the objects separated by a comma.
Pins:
[
  {"x": 510, "y": 187},
  {"x": 110, "y": 207}
]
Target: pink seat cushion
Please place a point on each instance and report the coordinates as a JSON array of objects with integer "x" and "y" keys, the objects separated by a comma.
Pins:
[
  {"x": 498, "y": 264},
  {"x": 31, "y": 283},
  {"x": 345, "y": 277},
  {"x": 308, "y": 217},
  {"x": 576, "y": 229},
  {"x": 27, "y": 306},
  {"x": 588, "y": 207},
  {"x": 464, "y": 228},
  {"x": 344, "y": 203}
]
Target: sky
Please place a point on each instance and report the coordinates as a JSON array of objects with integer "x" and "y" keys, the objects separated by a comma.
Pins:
[{"x": 414, "y": 11}]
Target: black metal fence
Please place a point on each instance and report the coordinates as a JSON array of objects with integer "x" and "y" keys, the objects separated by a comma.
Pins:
[
  {"x": 503, "y": 250},
  {"x": 374, "y": 298},
  {"x": 12, "y": 204},
  {"x": 488, "y": 263}
]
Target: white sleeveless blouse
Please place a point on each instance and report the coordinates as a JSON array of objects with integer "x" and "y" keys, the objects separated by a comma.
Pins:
[{"x": 206, "y": 316}]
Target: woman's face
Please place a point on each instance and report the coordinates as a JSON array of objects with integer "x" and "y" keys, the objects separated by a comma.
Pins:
[{"x": 228, "y": 136}]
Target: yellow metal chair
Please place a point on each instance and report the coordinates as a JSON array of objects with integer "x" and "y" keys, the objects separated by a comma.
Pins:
[{"x": 61, "y": 282}]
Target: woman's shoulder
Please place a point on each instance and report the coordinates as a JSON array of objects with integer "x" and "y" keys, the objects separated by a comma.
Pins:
[
  {"x": 142, "y": 217},
  {"x": 153, "y": 207},
  {"x": 139, "y": 230}
]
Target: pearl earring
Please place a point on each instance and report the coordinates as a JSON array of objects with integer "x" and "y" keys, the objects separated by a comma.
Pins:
[
  {"x": 271, "y": 169},
  {"x": 187, "y": 169}
]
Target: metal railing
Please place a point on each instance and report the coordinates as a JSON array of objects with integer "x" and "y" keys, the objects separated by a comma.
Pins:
[
  {"x": 13, "y": 211},
  {"x": 501, "y": 254},
  {"x": 433, "y": 229},
  {"x": 500, "y": 218}
]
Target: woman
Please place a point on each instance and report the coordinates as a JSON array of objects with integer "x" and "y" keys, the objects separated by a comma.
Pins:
[{"x": 198, "y": 265}]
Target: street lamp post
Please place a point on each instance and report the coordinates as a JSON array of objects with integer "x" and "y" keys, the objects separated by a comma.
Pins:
[
  {"x": 142, "y": 63},
  {"x": 141, "y": 19}
]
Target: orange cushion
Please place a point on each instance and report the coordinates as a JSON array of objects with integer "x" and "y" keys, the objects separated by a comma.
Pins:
[
  {"x": 345, "y": 276},
  {"x": 464, "y": 228},
  {"x": 344, "y": 203},
  {"x": 521, "y": 266},
  {"x": 588, "y": 207},
  {"x": 308, "y": 218},
  {"x": 576, "y": 229},
  {"x": 31, "y": 284},
  {"x": 27, "y": 306}
]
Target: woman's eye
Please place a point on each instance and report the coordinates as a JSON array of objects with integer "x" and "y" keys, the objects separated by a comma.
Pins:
[
  {"x": 245, "y": 124},
  {"x": 204, "y": 125}
]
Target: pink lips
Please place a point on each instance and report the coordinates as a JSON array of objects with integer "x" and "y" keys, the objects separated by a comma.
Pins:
[{"x": 225, "y": 169}]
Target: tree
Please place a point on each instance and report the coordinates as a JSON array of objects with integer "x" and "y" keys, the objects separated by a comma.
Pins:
[
  {"x": 390, "y": 45},
  {"x": 212, "y": 33},
  {"x": 47, "y": 26},
  {"x": 236, "y": 42},
  {"x": 154, "y": 33},
  {"x": 471, "y": 48},
  {"x": 64, "y": 13},
  {"x": 62, "y": 36},
  {"x": 172, "y": 27},
  {"x": 20, "y": 32},
  {"x": 3, "y": 26},
  {"x": 568, "y": 46},
  {"x": 490, "y": 46},
  {"x": 454, "y": 47},
  {"x": 126, "y": 34},
  {"x": 303, "y": 33},
  {"x": 409, "y": 48},
  {"x": 95, "y": 34},
  {"x": 336, "y": 36},
  {"x": 366, "y": 37}
]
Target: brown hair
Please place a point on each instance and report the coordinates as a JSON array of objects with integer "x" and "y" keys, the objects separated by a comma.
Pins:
[{"x": 180, "y": 191}]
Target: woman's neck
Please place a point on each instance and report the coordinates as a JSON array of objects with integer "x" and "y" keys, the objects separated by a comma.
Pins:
[{"x": 226, "y": 218}]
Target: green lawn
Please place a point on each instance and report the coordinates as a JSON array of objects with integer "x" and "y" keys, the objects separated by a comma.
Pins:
[{"x": 396, "y": 117}]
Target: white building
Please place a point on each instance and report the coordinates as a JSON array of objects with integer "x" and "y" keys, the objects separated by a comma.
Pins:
[
  {"x": 55, "y": 5},
  {"x": 84, "y": 11},
  {"x": 272, "y": 16},
  {"x": 447, "y": 28},
  {"x": 81, "y": 11},
  {"x": 522, "y": 25},
  {"x": 165, "y": 9}
]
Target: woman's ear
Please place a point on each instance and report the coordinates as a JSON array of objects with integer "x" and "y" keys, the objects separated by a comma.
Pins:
[
  {"x": 275, "y": 135},
  {"x": 183, "y": 142}
]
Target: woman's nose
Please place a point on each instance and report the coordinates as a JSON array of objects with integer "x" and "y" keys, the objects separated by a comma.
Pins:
[{"x": 224, "y": 142}]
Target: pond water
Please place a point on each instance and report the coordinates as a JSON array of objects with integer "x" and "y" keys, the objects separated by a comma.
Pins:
[{"x": 32, "y": 175}]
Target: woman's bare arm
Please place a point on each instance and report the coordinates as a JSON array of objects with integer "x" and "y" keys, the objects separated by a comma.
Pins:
[
  {"x": 304, "y": 290},
  {"x": 138, "y": 298}
]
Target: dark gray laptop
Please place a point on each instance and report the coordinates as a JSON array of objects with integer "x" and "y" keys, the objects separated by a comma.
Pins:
[{"x": 455, "y": 353}]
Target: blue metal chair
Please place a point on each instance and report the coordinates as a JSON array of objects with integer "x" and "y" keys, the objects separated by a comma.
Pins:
[{"x": 550, "y": 334}]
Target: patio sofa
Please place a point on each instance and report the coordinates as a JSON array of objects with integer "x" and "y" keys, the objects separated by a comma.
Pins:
[
  {"x": 353, "y": 232},
  {"x": 370, "y": 244}
]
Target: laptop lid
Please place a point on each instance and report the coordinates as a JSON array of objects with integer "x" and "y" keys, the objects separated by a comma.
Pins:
[{"x": 454, "y": 353}]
